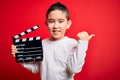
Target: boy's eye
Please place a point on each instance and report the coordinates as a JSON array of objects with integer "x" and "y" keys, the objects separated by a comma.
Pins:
[
  {"x": 51, "y": 21},
  {"x": 61, "y": 21}
]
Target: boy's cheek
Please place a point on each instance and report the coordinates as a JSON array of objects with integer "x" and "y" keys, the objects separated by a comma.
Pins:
[{"x": 50, "y": 26}]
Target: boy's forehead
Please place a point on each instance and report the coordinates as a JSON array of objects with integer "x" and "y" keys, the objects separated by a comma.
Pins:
[{"x": 57, "y": 14}]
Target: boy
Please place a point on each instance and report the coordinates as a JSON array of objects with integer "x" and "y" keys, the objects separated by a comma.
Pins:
[{"x": 63, "y": 56}]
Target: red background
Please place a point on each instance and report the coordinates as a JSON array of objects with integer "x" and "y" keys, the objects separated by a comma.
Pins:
[{"x": 101, "y": 17}]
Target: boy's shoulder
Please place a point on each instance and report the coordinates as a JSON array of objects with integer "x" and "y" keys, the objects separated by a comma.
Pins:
[{"x": 71, "y": 39}]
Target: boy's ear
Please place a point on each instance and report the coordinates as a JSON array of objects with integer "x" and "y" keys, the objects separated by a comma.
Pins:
[{"x": 69, "y": 24}]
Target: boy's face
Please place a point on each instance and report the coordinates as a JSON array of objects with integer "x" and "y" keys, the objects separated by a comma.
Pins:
[{"x": 57, "y": 24}]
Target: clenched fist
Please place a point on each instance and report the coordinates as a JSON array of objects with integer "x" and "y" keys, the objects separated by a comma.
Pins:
[{"x": 84, "y": 35}]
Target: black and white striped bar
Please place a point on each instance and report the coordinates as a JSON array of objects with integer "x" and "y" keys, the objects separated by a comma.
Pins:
[
  {"x": 26, "y": 32},
  {"x": 29, "y": 49}
]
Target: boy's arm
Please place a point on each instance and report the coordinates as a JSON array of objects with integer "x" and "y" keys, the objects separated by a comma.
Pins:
[
  {"x": 77, "y": 56},
  {"x": 34, "y": 67}
]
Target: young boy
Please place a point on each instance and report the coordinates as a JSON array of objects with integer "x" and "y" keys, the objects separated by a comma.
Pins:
[{"x": 63, "y": 56}]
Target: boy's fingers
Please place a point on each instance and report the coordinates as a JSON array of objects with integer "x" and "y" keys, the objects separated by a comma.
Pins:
[
  {"x": 13, "y": 48},
  {"x": 14, "y": 52},
  {"x": 13, "y": 45},
  {"x": 13, "y": 55}
]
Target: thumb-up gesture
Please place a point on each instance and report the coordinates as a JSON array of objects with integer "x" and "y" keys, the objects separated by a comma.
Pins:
[{"x": 84, "y": 35}]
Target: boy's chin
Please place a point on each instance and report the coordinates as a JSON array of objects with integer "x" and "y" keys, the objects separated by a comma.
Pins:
[{"x": 56, "y": 37}]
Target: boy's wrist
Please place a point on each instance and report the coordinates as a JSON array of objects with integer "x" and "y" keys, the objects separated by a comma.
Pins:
[{"x": 83, "y": 41}]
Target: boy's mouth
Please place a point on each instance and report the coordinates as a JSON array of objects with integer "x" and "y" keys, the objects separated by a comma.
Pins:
[{"x": 55, "y": 31}]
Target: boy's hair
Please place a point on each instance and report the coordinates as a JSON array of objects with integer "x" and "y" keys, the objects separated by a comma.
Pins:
[{"x": 58, "y": 6}]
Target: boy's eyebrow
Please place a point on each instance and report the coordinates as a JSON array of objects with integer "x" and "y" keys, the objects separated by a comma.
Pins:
[
  {"x": 58, "y": 19},
  {"x": 49, "y": 19}
]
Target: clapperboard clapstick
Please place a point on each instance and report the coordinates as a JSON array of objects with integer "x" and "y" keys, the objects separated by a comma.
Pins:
[{"x": 29, "y": 49}]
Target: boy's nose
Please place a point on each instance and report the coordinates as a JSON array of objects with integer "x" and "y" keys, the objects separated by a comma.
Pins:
[{"x": 56, "y": 25}]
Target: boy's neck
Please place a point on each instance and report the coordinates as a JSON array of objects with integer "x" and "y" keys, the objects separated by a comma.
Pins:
[{"x": 53, "y": 39}]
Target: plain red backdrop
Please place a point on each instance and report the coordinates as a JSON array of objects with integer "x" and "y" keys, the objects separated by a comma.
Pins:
[{"x": 101, "y": 17}]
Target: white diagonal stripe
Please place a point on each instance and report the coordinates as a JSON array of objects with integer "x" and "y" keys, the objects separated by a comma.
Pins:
[
  {"x": 22, "y": 33},
  {"x": 16, "y": 36},
  {"x": 29, "y": 30},
  {"x": 35, "y": 27}
]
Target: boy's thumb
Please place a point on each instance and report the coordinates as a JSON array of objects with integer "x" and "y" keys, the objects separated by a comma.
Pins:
[{"x": 91, "y": 36}]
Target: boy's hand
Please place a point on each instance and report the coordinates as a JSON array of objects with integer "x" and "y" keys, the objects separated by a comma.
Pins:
[
  {"x": 13, "y": 50},
  {"x": 84, "y": 35}
]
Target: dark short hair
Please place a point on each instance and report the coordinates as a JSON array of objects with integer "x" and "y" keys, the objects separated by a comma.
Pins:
[{"x": 58, "y": 6}]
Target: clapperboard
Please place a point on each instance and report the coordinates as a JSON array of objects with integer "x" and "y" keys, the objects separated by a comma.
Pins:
[{"x": 29, "y": 49}]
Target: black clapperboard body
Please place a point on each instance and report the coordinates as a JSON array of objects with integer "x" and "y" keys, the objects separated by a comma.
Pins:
[{"x": 29, "y": 49}]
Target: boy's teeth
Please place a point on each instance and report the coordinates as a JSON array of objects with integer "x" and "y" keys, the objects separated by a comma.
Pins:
[{"x": 55, "y": 31}]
